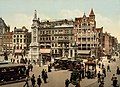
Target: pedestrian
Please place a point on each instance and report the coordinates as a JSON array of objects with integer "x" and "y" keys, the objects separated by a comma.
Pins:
[
  {"x": 118, "y": 70},
  {"x": 115, "y": 82},
  {"x": 27, "y": 72},
  {"x": 67, "y": 82},
  {"x": 102, "y": 78},
  {"x": 101, "y": 84},
  {"x": 33, "y": 80},
  {"x": 26, "y": 82},
  {"x": 108, "y": 68},
  {"x": 44, "y": 76},
  {"x": 49, "y": 68},
  {"x": 113, "y": 77},
  {"x": 102, "y": 65},
  {"x": 98, "y": 75},
  {"x": 104, "y": 71},
  {"x": 99, "y": 65},
  {"x": 39, "y": 81},
  {"x": 31, "y": 67},
  {"x": 43, "y": 72}
]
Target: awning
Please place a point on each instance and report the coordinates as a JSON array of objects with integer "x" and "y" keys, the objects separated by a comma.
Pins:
[
  {"x": 18, "y": 51},
  {"x": 83, "y": 51},
  {"x": 45, "y": 50},
  {"x": 58, "y": 58}
]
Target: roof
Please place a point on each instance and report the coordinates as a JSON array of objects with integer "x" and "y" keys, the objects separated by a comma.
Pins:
[
  {"x": 92, "y": 13},
  {"x": 64, "y": 25}
]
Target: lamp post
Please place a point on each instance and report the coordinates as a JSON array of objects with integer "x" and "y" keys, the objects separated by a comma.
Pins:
[{"x": 75, "y": 46}]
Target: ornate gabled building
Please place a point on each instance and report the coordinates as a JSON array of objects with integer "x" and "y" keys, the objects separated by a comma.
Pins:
[
  {"x": 51, "y": 39},
  {"x": 66, "y": 38},
  {"x": 88, "y": 37}
]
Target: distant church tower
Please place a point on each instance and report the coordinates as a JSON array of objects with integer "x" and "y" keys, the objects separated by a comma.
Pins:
[
  {"x": 34, "y": 46},
  {"x": 92, "y": 18}
]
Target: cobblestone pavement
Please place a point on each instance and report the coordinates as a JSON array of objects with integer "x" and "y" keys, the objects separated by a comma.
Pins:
[
  {"x": 108, "y": 82},
  {"x": 57, "y": 78}
]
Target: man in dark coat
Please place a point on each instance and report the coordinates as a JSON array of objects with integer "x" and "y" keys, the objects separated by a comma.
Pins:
[
  {"x": 115, "y": 82},
  {"x": 39, "y": 81},
  {"x": 98, "y": 75},
  {"x": 33, "y": 80},
  {"x": 67, "y": 82}
]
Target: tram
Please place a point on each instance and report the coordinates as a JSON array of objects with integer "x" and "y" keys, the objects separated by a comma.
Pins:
[{"x": 12, "y": 72}]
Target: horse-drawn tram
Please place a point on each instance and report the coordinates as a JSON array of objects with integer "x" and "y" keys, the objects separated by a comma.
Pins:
[{"x": 10, "y": 73}]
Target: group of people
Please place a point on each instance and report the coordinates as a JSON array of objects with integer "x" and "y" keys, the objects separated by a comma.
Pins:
[
  {"x": 102, "y": 75},
  {"x": 39, "y": 81}
]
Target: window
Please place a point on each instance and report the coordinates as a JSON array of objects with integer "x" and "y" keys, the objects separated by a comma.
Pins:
[
  {"x": 20, "y": 47},
  {"x": 20, "y": 35},
  {"x": 52, "y": 44},
  {"x": 41, "y": 38},
  {"x": 24, "y": 40},
  {"x": 40, "y": 32},
  {"x": 55, "y": 51},
  {"x": 46, "y": 32},
  {"x": 14, "y": 40},
  {"x": 17, "y": 35},
  {"x": 55, "y": 44},
  {"x": 17, "y": 47},
  {"x": 52, "y": 31},
  {"x": 49, "y": 32},
  {"x": 43, "y": 32},
  {"x": 20, "y": 40},
  {"x": 24, "y": 35},
  {"x": 17, "y": 40},
  {"x": 46, "y": 38},
  {"x": 14, "y": 35},
  {"x": 52, "y": 38}
]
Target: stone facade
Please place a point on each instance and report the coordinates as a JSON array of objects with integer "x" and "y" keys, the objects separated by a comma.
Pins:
[
  {"x": 88, "y": 37},
  {"x": 4, "y": 32},
  {"x": 68, "y": 39},
  {"x": 109, "y": 44},
  {"x": 21, "y": 40}
]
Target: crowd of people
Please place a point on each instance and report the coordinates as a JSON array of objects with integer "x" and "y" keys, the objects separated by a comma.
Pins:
[
  {"x": 82, "y": 73},
  {"x": 102, "y": 75},
  {"x": 39, "y": 80}
]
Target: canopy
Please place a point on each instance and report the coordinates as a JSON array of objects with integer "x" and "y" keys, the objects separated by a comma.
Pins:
[
  {"x": 83, "y": 51},
  {"x": 45, "y": 50},
  {"x": 18, "y": 51}
]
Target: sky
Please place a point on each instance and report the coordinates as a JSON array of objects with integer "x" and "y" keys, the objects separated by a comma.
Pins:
[{"x": 18, "y": 13}]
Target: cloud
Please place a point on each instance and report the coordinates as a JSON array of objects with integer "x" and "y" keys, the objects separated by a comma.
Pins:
[
  {"x": 68, "y": 14},
  {"x": 21, "y": 19},
  {"x": 18, "y": 20},
  {"x": 108, "y": 24}
]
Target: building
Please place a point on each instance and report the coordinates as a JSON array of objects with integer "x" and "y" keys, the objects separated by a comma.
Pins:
[
  {"x": 3, "y": 27},
  {"x": 3, "y": 31},
  {"x": 51, "y": 39},
  {"x": 59, "y": 39},
  {"x": 7, "y": 42},
  {"x": 88, "y": 37},
  {"x": 21, "y": 41},
  {"x": 110, "y": 44}
]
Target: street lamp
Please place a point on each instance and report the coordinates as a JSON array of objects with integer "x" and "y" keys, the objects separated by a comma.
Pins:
[{"x": 75, "y": 48}]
